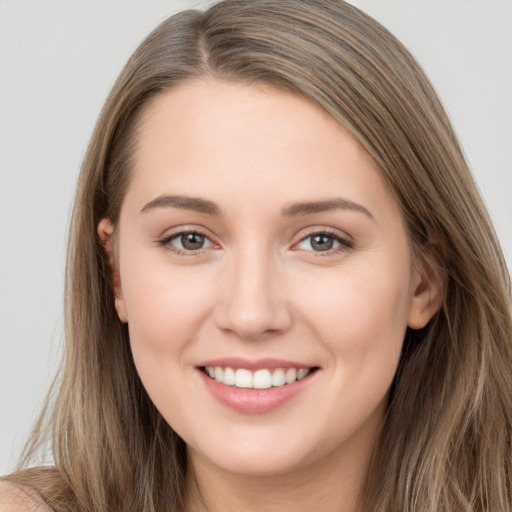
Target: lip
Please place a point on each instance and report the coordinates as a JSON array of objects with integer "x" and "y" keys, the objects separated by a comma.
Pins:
[
  {"x": 254, "y": 401},
  {"x": 257, "y": 364}
]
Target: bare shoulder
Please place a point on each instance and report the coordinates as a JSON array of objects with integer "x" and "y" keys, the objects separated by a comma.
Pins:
[{"x": 15, "y": 498}]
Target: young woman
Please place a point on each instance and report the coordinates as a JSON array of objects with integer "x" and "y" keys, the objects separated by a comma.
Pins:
[{"x": 283, "y": 290}]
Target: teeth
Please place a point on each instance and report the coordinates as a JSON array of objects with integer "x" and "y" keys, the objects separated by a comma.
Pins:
[
  {"x": 260, "y": 379},
  {"x": 278, "y": 377},
  {"x": 291, "y": 375},
  {"x": 300, "y": 373},
  {"x": 229, "y": 376},
  {"x": 243, "y": 378}
]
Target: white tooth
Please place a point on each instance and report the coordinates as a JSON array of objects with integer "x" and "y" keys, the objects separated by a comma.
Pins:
[
  {"x": 262, "y": 379},
  {"x": 211, "y": 371},
  {"x": 302, "y": 373},
  {"x": 229, "y": 376},
  {"x": 291, "y": 375},
  {"x": 243, "y": 378},
  {"x": 278, "y": 378},
  {"x": 218, "y": 374}
]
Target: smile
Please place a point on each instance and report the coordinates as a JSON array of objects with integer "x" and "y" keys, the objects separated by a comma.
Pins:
[
  {"x": 255, "y": 387},
  {"x": 264, "y": 378}
]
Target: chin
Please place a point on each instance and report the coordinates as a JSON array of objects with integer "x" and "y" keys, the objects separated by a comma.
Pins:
[
  {"x": 246, "y": 464},
  {"x": 257, "y": 457}
]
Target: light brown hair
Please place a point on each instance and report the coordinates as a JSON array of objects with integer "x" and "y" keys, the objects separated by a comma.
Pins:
[{"x": 446, "y": 441}]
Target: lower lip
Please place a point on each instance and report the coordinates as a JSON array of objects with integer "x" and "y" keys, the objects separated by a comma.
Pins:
[{"x": 254, "y": 401}]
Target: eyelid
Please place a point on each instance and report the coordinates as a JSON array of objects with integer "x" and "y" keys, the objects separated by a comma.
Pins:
[{"x": 344, "y": 240}]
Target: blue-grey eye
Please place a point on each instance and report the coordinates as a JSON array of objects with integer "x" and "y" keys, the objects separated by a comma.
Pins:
[
  {"x": 190, "y": 241},
  {"x": 319, "y": 242}
]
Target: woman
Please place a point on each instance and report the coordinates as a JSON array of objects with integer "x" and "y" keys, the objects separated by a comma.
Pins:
[{"x": 283, "y": 289}]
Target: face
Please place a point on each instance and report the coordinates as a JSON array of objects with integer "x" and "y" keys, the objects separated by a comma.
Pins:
[{"x": 266, "y": 278}]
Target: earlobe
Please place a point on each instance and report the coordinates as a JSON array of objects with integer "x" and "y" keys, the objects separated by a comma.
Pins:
[
  {"x": 427, "y": 296},
  {"x": 105, "y": 232}
]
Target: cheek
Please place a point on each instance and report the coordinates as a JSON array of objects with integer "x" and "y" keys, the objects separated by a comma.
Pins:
[
  {"x": 166, "y": 309},
  {"x": 165, "y": 314},
  {"x": 361, "y": 321},
  {"x": 360, "y": 298},
  {"x": 361, "y": 317}
]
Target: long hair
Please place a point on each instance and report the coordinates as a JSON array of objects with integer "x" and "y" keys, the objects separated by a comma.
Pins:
[{"x": 446, "y": 440}]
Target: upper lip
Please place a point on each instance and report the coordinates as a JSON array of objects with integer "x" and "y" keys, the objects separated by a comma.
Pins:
[{"x": 254, "y": 364}]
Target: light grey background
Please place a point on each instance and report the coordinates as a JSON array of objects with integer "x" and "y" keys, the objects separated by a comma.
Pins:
[{"x": 58, "y": 60}]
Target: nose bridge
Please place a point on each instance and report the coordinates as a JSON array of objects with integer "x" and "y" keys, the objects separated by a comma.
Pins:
[{"x": 253, "y": 299}]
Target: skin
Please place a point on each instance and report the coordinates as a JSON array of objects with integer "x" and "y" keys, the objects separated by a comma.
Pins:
[
  {"x": 260, "y": 288},
  {"x": 14, "y": 498}
]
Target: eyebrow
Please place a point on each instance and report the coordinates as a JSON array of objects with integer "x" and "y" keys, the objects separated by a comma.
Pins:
[
  {"x": 309, "y": 208},
  {"x": 295, "y": 210},
  {"x": 184, "y": 203}
]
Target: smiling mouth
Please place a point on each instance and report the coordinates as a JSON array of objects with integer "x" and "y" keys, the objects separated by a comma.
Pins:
[{"x": 258, "y": 379}]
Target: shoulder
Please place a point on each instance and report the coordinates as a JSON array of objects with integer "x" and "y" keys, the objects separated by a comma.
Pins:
[{"x": 16, "y": 498}]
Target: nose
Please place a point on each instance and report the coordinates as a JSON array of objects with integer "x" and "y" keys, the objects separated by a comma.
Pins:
[{"x": 253, "y": 302}]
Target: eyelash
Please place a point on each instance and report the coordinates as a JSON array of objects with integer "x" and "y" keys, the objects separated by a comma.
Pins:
[{"x": 344, "y": 244}]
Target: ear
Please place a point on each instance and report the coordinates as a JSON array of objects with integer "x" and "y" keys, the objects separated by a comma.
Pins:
[
  {"x": 105, "y": 232},
  {"x": 428, "y": 285}
]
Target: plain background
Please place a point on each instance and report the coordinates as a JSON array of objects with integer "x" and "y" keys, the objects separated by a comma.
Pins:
[{"x": 58, "y": 60}]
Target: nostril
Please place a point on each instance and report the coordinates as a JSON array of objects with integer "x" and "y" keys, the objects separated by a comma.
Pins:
[
  {"x": 254, "y": 323},
  {"x": 253, "y": 305}
]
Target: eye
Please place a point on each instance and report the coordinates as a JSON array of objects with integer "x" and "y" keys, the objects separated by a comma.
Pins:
[
  {"x": 323, "y": 242},
  {"x": 187, "y": 241}
]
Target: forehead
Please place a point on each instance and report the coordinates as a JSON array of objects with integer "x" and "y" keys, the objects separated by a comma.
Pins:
[
  {"x": 237, "y": 141},
  {"x": 209, "y": 112}
]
